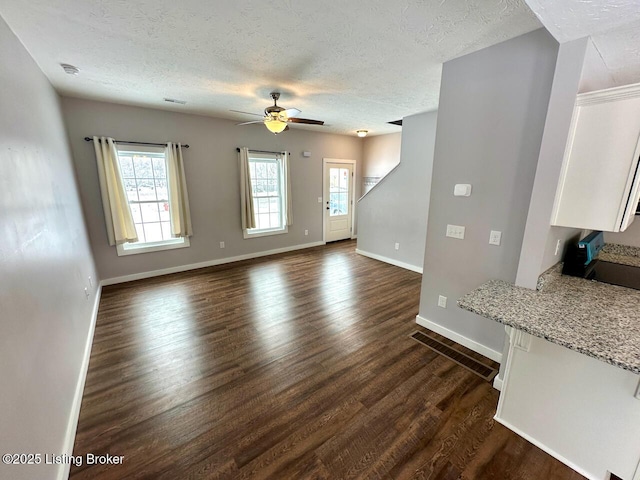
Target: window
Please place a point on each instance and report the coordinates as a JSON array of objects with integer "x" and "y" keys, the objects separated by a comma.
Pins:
[
  {"x": 144, "y": 173},
  {"x": 267, "y": 185},
  {"x": 338, "y": 191}
]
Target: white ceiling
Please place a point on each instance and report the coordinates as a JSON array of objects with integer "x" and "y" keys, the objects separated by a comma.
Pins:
[
  {"x": 614, "y": 27},
  {"x": 355, "y": 64}
]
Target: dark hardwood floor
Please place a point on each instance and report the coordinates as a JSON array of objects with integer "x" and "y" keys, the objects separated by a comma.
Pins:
[{"x": 293, "y": 366}]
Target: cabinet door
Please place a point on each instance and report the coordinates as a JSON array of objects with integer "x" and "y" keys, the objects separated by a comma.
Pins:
[{"x": 598, "y": 183}]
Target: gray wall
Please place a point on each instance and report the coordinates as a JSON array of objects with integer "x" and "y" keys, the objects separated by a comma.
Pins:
[
  {"x": 45, "y": 262},
  {"x": 491, "y": 118},
  {"x": 631, "y": 236},
  {"x": 396, "y": 209},
  {"x": 212, "y": 173}
]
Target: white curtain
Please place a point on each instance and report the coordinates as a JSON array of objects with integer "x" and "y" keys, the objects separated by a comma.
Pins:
[
  {"x": 178, "y": 197},
  {"x": 288, "y": 197},
  {"x": 117, "y": 214},
  {"x": 246, "y": 191}
]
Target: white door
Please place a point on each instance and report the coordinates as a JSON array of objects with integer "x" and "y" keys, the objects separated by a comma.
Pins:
[{"x": 338, "y": 201}]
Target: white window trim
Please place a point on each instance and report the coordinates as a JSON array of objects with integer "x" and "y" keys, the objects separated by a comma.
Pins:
[
  {"x": 148, "y": 247},
  {"x": 265, "y": 233},
  {"x": 133, "y": 249},
  {"x": 273, "y": 231}
]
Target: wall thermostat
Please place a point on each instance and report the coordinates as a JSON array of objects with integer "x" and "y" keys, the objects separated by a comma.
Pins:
[{"x": 462, "y": 190}]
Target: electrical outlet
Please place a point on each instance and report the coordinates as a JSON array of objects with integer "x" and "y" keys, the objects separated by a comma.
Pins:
[
  {"x": 397, "y": 246},
  {"x": 306, "y": 232},
  {"x": 558, "y": 247},
  {"x": 495, "y": 237},
  {"x": 221, "y": 244},
  {"x": 455, "y": 231},
  {"x": 442, "y": 301}
]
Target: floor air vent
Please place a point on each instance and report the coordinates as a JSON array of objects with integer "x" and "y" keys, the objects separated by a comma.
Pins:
[{"x": 460, "y": 358}]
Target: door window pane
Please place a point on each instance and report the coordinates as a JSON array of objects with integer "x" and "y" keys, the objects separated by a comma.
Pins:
[{"x": 338, "y": 191}]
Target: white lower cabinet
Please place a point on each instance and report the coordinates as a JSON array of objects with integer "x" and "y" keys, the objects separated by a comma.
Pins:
[{"x": 580, "y": 410}]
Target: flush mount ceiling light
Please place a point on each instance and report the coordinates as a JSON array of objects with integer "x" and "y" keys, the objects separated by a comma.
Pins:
[
  {"x": 362, "y": 133},
  {"x": 70, "y": 69}
]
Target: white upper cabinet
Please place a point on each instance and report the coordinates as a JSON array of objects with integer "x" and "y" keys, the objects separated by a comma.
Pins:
[{"x": 599, "y": 185}]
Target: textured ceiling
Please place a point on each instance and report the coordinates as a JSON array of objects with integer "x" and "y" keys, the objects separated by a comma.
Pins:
[
  {"x": 613, "y": 25},
  {"x": 354, "y": 64}
]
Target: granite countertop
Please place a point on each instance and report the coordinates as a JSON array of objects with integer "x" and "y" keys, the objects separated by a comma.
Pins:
[
  {"x": 622, "y": 254},
  {"x": 593, "y": 318}
]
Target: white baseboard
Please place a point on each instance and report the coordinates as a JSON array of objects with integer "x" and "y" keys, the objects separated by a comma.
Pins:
[
  {"x": 497, "y": 383},
  {"x": 546, "y": 449},
  {"x": 391, "y": 261},
  {"x": 208, "y": 263},
  {"x": 462, "y": 340},
  {"x": 72, "y": 425}
]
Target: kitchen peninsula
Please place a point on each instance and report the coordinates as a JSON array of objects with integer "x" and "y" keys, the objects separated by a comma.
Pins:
[{"x": 571, "y": 382}]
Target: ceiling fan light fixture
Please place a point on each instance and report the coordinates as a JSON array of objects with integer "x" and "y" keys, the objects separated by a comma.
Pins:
[
  {"x": 275, "y": 124},
  {"x": 362, "y": 133}
]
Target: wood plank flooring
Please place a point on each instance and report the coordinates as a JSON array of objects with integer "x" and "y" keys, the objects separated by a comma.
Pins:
[{"x": 295, "y": 366}]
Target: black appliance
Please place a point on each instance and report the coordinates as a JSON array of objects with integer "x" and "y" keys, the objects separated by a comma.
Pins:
[{"x": 580, "y": 261}]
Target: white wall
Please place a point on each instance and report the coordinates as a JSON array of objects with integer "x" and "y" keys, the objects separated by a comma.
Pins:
[
  {"x": 212, "y": 173},
  {"x": 578, "y": 409},
  {"x": 45, "y": 262},
  {"x": 491, "y": 117},
  {"x": 396, "y": 209}
]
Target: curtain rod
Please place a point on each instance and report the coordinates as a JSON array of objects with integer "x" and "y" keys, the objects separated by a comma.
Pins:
[
  {"x": 259, "y": 151},
  {"x": 88, "y": 139}
]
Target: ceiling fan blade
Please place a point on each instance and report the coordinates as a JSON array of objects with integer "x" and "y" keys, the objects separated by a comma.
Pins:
[
  {"x": 292, "y": 112},
  {"x": 247, "y": 113},
  {"x": 306, "y": 120},
  {"x": 249, "y": 123}
]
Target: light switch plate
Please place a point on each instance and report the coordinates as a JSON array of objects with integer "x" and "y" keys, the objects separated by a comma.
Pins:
[
  {"x": 442, "y": 301},
  {"x": 462, "y": 190},
  {"x": 397, "y": 246},
  {"x": 455, "y": 231},
  {"x": 319, "y": 199},
  {"x": 495, "y": 237}
]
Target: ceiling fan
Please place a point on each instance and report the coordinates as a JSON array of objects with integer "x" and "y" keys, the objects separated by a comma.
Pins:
[{"x": 277, "y": 119}]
